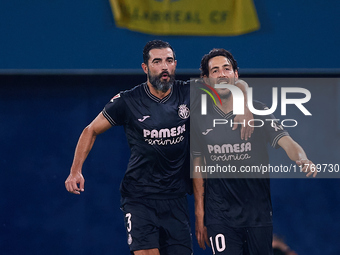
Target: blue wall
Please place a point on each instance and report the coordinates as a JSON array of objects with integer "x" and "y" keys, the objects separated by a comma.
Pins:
[
  {"x": 80, "y": 34},
  {"x": 42, "y": 118}
]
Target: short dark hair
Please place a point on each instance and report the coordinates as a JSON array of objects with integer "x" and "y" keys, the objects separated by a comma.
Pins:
[
  {"x": 155, "y": 44},
  {"x": 214, "y": 53}
]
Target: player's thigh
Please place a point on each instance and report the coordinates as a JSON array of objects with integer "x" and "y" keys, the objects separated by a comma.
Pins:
[
  {"x": 226, "y": 240},
  {"x": 141, "y": 225},
  {"x": 259, "y": 240},
  {"x": 175, "y": 231},
  {"x": 147, "y": 252}
]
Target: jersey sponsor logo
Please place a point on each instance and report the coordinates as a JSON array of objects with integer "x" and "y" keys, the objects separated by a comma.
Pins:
[
  {"x": 115, "y": 97},
  {"x": 183, "y": 111},
  {"x": 164, "y": 132},
  {"x": 231, "y": 157},
  {"x": 229, "y": 148},
  {"x": 224, "y": 151},
  {"x": 164, "y": 136},
  {"x": 207, "y": 131},
  {"x": 144, "y": 118},
  {"x": 167, "y": 141}
]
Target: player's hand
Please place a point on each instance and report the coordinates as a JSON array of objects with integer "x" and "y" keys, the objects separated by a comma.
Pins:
[
  {"x": 280, "y": 245},
  {"x": 246, "y": 130},
  {"x": 307, "y": 166},
  {"x": 72, "y": 182},
  {"x": 201, "y": 234}
]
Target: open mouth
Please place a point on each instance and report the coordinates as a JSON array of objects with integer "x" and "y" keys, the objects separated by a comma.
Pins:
[
  {"x": 165, "y": 75},
  {"x": 223, "y": 81}
]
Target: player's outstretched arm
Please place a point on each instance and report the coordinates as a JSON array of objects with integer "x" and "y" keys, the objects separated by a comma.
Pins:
[
  {"x": 86, "y": 140},
  {"x": 198, "y": 184},
  {"x": 246, "y": 130},
  {"x": 298, "y": 155}
]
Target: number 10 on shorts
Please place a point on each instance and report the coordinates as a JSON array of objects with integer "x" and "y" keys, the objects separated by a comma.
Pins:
[{"x": 218, "y": 243}]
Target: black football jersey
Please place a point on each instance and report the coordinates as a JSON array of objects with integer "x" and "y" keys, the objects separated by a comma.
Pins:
[
  {"x": 157, "y": 132},
  {"x": 236, "y": 199}
]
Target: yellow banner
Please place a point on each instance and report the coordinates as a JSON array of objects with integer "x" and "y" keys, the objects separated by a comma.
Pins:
[{"x": 186, "y": 17}]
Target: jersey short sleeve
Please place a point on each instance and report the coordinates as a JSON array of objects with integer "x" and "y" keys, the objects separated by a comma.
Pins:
[{"x": 115, "y": 110}]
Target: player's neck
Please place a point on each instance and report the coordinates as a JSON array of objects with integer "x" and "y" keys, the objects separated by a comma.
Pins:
[
  {"x": 158, "y": 93},
  {"x": 227, "y": 104}
]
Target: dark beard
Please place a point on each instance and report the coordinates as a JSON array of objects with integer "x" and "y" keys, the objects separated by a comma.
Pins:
[{"x": 160, "y": 85}]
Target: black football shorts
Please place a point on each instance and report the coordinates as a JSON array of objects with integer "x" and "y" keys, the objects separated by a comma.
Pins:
[
  {"x": 240, "y": 241},
  {"x": 158, "y": 223}
]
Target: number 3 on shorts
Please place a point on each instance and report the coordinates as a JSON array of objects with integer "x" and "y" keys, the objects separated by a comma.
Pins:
[
  {"x": 128, "y": 222},
  {"x": 219, "y": 243}
]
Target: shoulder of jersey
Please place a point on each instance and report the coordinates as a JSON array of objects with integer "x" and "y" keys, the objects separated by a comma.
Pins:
[
  {"x": 181, "y": 83},
  {"x": 181, "y": 86},
  {"x": 259, "y": 105},
  {"x": 196, "y": 81},
  {"x": 193, "y": 81},
  {"x": 127, "y": 92}
]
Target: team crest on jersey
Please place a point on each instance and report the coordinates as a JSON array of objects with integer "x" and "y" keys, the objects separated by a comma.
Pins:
[
  {"x": 183, "y": 111},
  {"x": 115, "y": 97}
]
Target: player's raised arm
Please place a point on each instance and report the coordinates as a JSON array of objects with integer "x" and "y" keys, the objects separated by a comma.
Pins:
[
  {"x": 298, "y": 155},
  {"x": 86, "y": 140},
  {"x": 198, "y": 184},
  {"x": 246, "y": 130}
]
